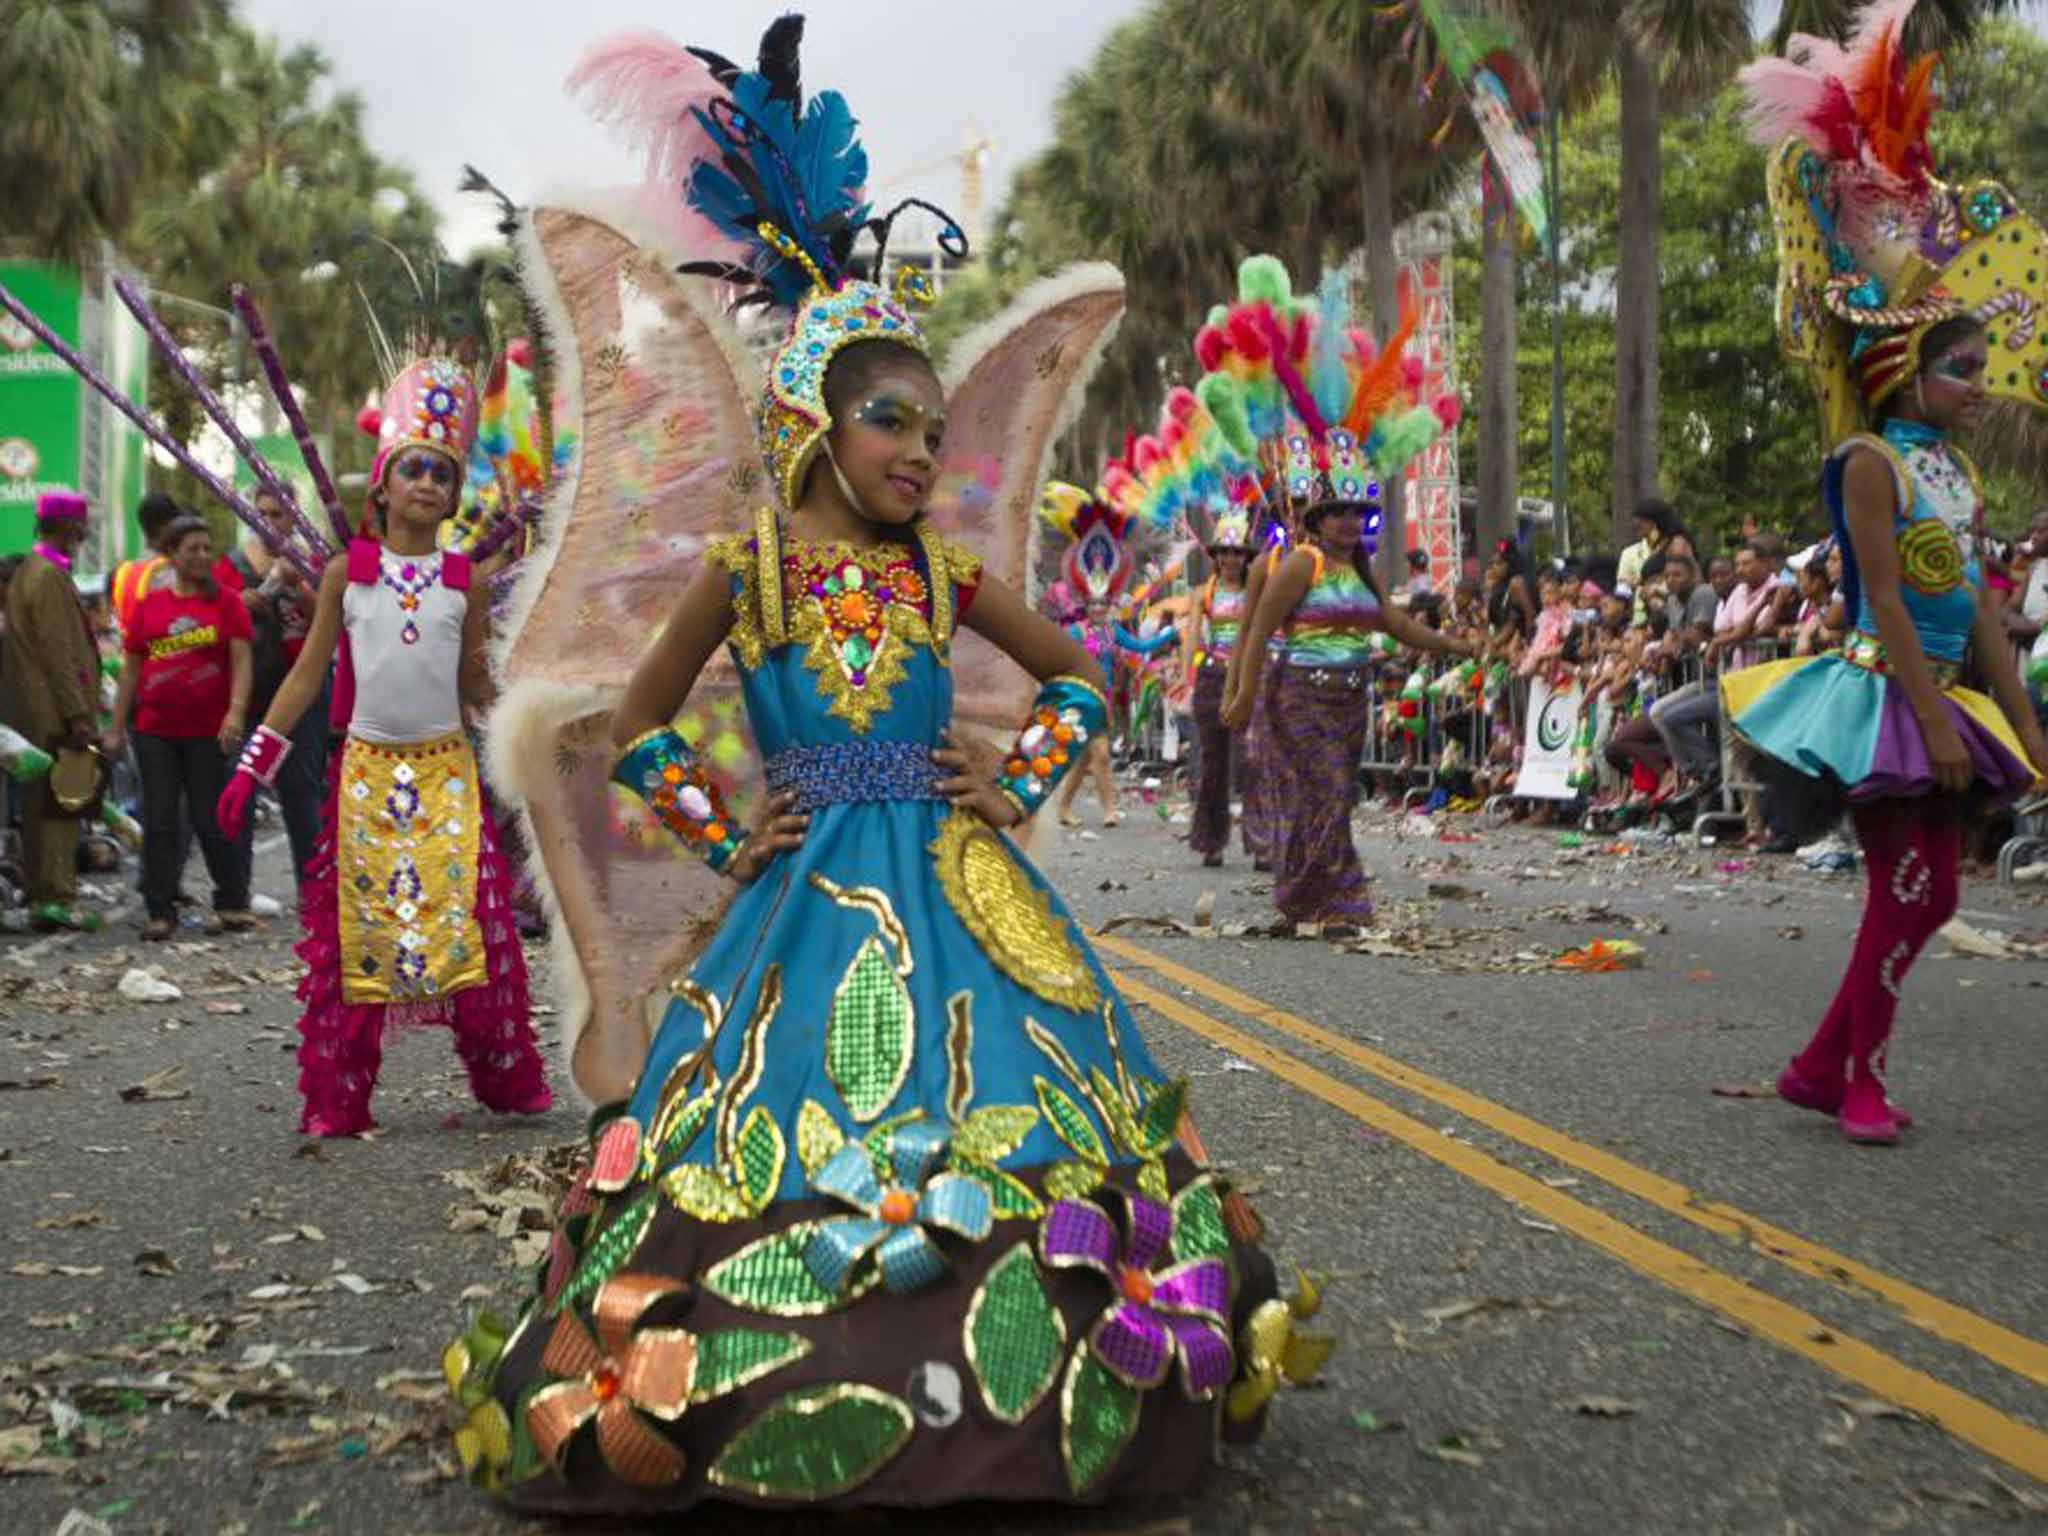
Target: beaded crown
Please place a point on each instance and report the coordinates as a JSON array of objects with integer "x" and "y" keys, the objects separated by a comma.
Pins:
[
  {"x": 1874, "y": 249},
  {"x": 431, "y": 404}
]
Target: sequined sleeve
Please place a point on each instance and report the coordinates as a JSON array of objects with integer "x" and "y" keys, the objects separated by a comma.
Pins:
[
  {"x": 963, "y": 567},
  {"x": 738, "y": 554}
]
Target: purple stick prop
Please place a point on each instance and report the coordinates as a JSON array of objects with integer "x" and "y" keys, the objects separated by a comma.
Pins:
[
  {"x": 167, "y": 347},
  {"x": 233, "y": 501},
  {"x": 514, "y": 522},
  {"x": 280, "y": 387}
]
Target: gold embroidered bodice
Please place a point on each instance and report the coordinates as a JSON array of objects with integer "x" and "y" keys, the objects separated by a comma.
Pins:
[{"x": 856, "y": 612}]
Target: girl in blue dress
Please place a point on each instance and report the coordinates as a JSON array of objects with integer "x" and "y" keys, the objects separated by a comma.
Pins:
[{"x": 901, "y": 1209}]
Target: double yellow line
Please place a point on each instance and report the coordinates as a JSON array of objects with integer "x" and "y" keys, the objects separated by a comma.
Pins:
[{"x": 2017, "y": 1444}]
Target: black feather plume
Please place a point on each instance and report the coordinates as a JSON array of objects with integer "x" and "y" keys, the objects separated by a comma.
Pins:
[{"x": 779, "y": 66}]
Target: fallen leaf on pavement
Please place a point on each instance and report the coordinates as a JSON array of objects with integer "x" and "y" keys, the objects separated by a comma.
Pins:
[
  {"x": 156, "y": 1263},
  {"x": 227, "y": 1008},
  {"x": 91, "y": 1218},
  {"x": 1605, "y": 1407},
  {"x": 1603, "y": 955},
  {"x": 36, "y": 1268},
  {"x": 1744, "y": 1090},
  {"x": 167, "y": 1084},
  {"x": 1873, "y": 1408}
]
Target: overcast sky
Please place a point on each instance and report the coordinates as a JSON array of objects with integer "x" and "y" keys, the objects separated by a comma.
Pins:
[{"x": 483, "y": 84}]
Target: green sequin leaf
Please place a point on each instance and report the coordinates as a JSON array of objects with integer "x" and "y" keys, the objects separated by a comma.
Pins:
[
  {"x": 607, "y": 1251},
  {"x": 1098, "y": 1416},
  {"x": 1074, "y": 1178},
  {"x": 1011, "y": 1196},
  {"x": 758, "y": 1158},
  {"x": 705, "y": 1193},
  {"x": 769, "y": 1276},
  {"x": 1069, "y": 1121},
  {"x": 673, "y": 1139},
  {"x": 989, "y": 1135},
  {"x": 868, "y": 1035},
  {"x": 1115, "y": 1113},
  {"x": 732, "y": 1357},
  {"x": 1198, "y": 1230},
  {"x": 1015, "y": 1336},
  {"x": 1160, "y": 1121},
  {"x": 815, "y": 1443}
]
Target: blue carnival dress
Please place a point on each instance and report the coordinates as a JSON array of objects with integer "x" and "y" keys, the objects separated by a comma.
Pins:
[
  {"x": 1838, "y": 718},
  {"x": 899, "y": 1212}
]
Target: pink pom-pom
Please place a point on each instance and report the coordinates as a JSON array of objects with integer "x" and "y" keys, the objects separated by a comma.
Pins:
[
  {"x": 1115, "y": 481},
  {"x": 1180, "y": 402},
  {"x": 1411, "y": 372},
  {"x": 1448, "y": 409},
  {"x": 369, "y": 420},
  {"x": 1145, "y": 458},
  {"x": 1297, "y": 340},
  {"x": 1171, "y": 436},
  {"x": 1363, "y": 347},
  {"x": 1210, "y": 345},
  {"x": 520, "y": 351}
]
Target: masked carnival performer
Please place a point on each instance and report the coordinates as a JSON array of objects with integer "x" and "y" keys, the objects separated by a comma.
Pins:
[
  {"x": 1907, "y": 300},
  {"x": 406, "y": 908},
  {"x": 897, "y": 1208},
  {"x": 1353, "y": 418}
]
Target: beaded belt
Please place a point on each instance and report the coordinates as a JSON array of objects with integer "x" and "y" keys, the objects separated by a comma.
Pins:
[
  {"x": 1354, "y": 678},
  {"x": 845, "y": 772},
  {"x": 1867, "y": 651}
]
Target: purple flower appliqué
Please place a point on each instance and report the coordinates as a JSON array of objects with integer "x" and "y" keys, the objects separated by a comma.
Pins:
[{"x": 1157, "y": 1313}]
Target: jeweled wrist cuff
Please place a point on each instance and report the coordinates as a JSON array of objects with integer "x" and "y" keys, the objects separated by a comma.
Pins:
[
  {"x": 263, "y": 754},
  {"x": 1065, "y": 717},
  {"x": 660, "y": 768}
]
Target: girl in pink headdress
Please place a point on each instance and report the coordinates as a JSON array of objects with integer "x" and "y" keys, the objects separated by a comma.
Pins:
[{"x": 407, "y": 905}]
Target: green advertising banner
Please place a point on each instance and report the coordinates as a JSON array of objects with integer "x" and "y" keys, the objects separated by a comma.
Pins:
[{"x": 55, "y": 433}]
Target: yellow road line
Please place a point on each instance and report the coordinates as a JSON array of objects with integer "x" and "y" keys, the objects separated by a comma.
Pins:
[
  {"x": 2015, "y": 1352},
  {"x": 2019, "y": 1445}
]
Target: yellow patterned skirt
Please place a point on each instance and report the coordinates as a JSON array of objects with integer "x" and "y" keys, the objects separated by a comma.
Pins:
[{"x": 408, "y": 825}]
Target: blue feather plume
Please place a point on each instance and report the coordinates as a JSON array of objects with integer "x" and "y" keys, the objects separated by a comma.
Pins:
[
  {"x": 803, "y": 175},
  {"x": 1329, "y": 379}
]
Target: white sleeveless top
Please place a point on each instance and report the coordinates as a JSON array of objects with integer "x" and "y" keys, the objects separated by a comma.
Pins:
[{"x": 405, "y": 643}]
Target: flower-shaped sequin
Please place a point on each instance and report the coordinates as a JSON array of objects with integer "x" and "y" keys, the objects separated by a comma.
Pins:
[
  {"x": 894, "y": 1218},
  {"x": 621, "y": 1377},
  {"x": 1157, "y": 1313}
]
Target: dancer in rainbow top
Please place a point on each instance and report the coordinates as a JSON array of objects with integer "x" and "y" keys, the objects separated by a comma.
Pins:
[
  {"x": 1906, "y": 300},
  {"x": 1352, "y": 419},
  {"x": 894, "y": 1207}
]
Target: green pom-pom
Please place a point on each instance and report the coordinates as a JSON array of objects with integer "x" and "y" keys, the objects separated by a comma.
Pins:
[
  {"x": 1218, "y": 313},
  {"x": 1264, "y": 277},
  {"x": 1403, "y": 438},
  {"x": 1224, "y": 402}
]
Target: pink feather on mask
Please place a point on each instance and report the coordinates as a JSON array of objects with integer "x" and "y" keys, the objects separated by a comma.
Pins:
[
  {"x": 1180, "y": 403},
  {"x": 641, "y": 85}
]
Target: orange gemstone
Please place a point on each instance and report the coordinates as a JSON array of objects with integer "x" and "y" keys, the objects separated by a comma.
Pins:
[
  {"x": 1063, "y": 734},
  {"x": 853, "y": 608},
  {"x": 1136, "y": 1285},
  {"x": 1058, "y": 757},
  {"x": 1014, "y": 767},
  {"x": 714, "y": 832},
  {"x": 898, "y": 1206},
  {"x": 1047, "y": 718},
  {"x": 1042, "y": 767},
  {"x": 604, "y": 1382},
  {"x": 673, "y": 773}
]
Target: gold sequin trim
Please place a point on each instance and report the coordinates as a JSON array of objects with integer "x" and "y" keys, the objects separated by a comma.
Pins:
[
  {"x": 874, "y": 901},
  {"x": 1011, "y": 919},
  {"x": 746, "y": 1076},
  {"x": 744, "y": 637},
  {"x": 768, "y": 577},
  {"x": 1116, "y": 1053},
  {"x": 959, "y": 1055}
]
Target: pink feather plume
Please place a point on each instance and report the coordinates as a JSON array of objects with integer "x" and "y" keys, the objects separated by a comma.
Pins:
[{"x": 641, "y": 85}]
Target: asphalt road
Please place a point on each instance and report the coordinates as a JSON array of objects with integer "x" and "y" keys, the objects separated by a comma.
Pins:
[{"x": 1578, "y": 1289}]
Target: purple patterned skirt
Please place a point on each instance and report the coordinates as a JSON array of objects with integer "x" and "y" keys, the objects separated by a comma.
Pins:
[
  {"x": 1209, "y": 825},
  {"x": 1315, "y": 739},
  {"x": 1255, "y": 822}
]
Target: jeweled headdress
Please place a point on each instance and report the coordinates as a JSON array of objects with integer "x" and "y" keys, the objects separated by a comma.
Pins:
[
  {"x": 1873, "y": 248},
  {"x": 1097, "y": 563},
  {"x": 431, "y": 404},
  {"x": 1298, "y": 388},
  {"x": 781, "y": 182}
]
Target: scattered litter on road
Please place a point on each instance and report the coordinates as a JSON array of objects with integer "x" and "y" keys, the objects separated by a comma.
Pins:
[{"x": 147, "y": 986}]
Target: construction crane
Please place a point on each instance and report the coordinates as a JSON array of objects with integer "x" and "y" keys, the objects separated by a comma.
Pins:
[{"x": 972, "y": 159}]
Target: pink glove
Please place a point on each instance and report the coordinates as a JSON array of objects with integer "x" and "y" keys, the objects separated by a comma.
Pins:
[{"x": 262, "y": 755}]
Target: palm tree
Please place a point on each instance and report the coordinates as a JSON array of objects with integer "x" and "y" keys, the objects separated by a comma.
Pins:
[
  {"x": 85, "y": 82},
  {"x": 1934, "y": 23}
]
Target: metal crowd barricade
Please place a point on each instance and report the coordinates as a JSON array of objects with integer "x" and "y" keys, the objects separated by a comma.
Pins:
[{"x": 1725, "y": 806}]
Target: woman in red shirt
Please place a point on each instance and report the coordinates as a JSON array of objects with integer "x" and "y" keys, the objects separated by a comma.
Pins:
[{"x": 187, "y": 680}]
